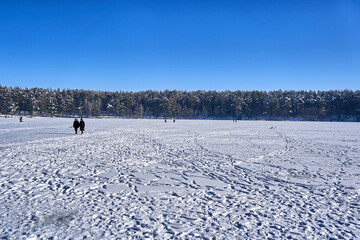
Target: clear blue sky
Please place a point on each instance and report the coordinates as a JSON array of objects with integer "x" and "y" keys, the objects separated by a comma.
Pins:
[{"x": 183, "y": 45}]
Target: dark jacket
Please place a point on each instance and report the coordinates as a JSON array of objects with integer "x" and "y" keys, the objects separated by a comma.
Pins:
[
  {"x": 82, "y": 125},
  {"x": 76, "y": 124}
]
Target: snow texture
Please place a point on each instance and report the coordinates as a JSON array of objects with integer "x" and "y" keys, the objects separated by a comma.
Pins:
[{"x": 193, "y": 179}]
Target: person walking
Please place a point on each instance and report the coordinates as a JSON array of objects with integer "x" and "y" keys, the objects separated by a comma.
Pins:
[
  {"x": 82, "y": 126},
  {"x": 76, "y": 125}
]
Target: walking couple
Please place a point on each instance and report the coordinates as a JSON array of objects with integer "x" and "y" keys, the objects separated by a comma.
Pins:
[{"x": 78, "y": 124}]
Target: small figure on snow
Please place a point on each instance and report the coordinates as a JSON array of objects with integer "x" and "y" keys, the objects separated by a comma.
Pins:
[
  {"x": 20, "y": 119},
  {"x": 165, "y": 120},
  {"x": 174, "y": 120},
  {"x": 82, "y": 126},
  {"x": 76, "y": 125}
]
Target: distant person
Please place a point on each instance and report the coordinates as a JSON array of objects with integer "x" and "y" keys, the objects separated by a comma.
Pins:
[
  {"x": 82, "y": 126},
  {"x": 165, "y": 120},
  {"x": 174, "y": 120},
  {"x": 76, "y": 125},
  {"x": 20, "y": 119}
]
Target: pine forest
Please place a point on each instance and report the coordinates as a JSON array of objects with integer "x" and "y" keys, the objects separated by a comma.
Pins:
[{"x": 335, "y": 105}]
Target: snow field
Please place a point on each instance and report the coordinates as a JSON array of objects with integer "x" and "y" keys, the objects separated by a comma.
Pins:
[{"x": 193, "y": 179}]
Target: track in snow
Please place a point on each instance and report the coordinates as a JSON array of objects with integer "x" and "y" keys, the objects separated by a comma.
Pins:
[{"x": 131, "y": 179}]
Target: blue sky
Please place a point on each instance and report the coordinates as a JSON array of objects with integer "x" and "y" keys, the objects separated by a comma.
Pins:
[{"x": 183, "y": 45}]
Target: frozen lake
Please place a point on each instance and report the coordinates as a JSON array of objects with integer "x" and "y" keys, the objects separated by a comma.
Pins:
[{"x": 192, "y": 179}]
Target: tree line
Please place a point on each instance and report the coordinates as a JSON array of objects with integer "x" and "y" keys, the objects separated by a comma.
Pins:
[{"x": 335, "y": 105}]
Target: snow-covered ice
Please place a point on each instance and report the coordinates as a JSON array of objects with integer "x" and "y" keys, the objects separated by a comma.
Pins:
[{"x": 193, "y": 179}]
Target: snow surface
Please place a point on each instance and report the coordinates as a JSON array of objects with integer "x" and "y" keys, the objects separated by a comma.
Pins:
[{"x": 193, "y": 179}]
